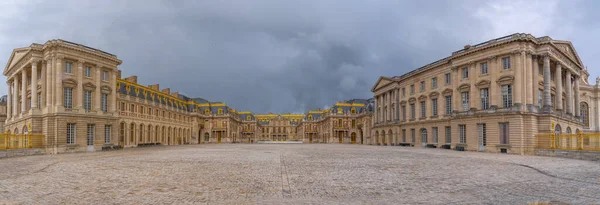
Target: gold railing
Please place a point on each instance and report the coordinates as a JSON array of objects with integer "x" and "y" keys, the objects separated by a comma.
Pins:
[
  {"x": 581, "y": 141},
  {"x": 21, "y": 141}
]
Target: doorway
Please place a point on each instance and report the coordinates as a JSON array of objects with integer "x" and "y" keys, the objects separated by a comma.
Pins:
[{"x": 481, "y": 130}]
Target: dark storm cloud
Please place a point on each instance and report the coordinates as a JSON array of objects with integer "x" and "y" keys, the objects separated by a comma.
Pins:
[{"x": 283, "y": 56}]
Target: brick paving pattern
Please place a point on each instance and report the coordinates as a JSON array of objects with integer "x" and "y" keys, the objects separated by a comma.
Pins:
[{"x": 275, "y": 174}]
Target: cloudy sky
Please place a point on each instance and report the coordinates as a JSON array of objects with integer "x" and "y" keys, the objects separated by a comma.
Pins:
[{"x": 288, "y": 56}]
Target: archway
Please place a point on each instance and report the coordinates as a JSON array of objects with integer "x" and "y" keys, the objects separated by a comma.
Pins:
[
  {"x": 353, "y": 138},
  {"x": 558, "y": 139},
  {"x": 376, "y": 137},
  {"x": 206, "y": 137},
  {"x": 340, "y": 134},
  {"x": 383, "y": 142},
  {"x": 390, "y": 140},
  {"x": 423, "y": 137}
]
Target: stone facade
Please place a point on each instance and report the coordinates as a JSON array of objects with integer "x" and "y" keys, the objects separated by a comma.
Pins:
[
  {"x": 494, "y": 96},
  {"x": 75, "y": 96}
]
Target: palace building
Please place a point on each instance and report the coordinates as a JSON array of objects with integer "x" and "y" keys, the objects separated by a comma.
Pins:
[
  {"x": 494, "y": 97},
  {"x": 75, "y": 97}
]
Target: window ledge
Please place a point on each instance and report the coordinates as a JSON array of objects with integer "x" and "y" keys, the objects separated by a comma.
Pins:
[{"x": 503, "y": 145}]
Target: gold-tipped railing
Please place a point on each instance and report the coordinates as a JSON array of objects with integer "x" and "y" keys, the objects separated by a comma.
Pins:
[
  {"x": 21, "y": 141},
  {"x": 580, "y": 141}
]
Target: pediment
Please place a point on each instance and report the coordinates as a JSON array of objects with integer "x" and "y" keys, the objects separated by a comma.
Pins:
[
  {"x": 434, "y": 94},
  {"x": 447, "y": 92},
  {"x": 413, "y": 99},
  {"x": 422, "y": 97},
  {"x": 89, "y": 86},
  {"x": 464, "y": 87},
  {"x": 382, "y": 82},
  {"x": 567, "y": 48},
  {"x": 106, "y": 89},
  {"x": 483, "y": 84},
  {"x": 69, "y": 83},
  {"x": 16, "y": 55},
  {"x": 506, "y": 80}
]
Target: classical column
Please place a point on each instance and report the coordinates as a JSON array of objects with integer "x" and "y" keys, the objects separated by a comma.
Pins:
[
  {"x": 9, "y": 97},
  {"x": 98, "y": 93},
  {"x": 576, "y": 90},
  {"x": 79, "y": 92},
  {"x": 547, "y": 100},
  {"x": 34, "y": 95},
  {"x": 43, "y": 83},
  {"x": 534, "y": 78},
  {"x": 49, "y": 81},
  {"x": 558, "y": 81},
  {"x": 456, "y": 105},
  {"x": 474, "y": 92},
  {"x": 494, "y": 70},
  {"x": 519, "y": 78},
  {"x": 397, "y": 103},
  {"x": 58, "y": 88},
  {"x": 23, "y": 90},
  {"x": 113, "y": 94},
  {"x": 528, "y": 80},
  {"x": 15, "y": 95},
  {"x": 569, "y": 93}
]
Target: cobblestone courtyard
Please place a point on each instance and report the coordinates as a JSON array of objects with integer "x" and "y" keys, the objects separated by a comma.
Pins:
[{"x": 305, "y": 173}]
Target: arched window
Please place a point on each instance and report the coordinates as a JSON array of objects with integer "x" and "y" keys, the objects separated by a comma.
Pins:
[
  {"x": 248, "y": 118},
  {"x": 568, "y": 130},
  {"x": 423, "y": 135},
  {"x": 16, "y": 131},
  {"x": 220, "y": 111},
  {"x": 340, "y": 110},
  {"x": 310, "y": 117},
  {"x": 585, "y": 114},
  {"x": 25, "y": 131},
  {"x": 353, "y": 110},
  {"x": 557, "y": 129},
  {"x": 207, "y": 111}
]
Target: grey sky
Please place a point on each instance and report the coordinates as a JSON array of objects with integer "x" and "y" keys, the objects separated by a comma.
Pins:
[{"x": 288, "y": 56}]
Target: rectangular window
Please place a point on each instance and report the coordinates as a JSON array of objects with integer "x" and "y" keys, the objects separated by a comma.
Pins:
[
  {"x": 88, "y": 72},
  {"x": 484, "y": 68},
  {"x": 448, "y": 135},
  {"x": 104, "y": 102},
  {"x": 504, "y": 133},
  {"x": 122, "y": 106},
  {"x": 403, "y": 135},
  {"x": 507, "y": 96},
  {"x": 448, "y": 105},
  {"x": 90, "y": 134},
  {"x": 71, "y": 133},
  {"x": 423, "y": 109},
  {"x": 412, "y": 135},
  {"x": 540, "y": 98},
  {"x": 448, "y": 79},
  {"x": 68, "y": 97},
  {"x": 104, "y": 76},
  {"x": 68, "y": 67},
  {"x": 403, "y": 92},
  {"x": 434, "y": 107},
  {"x": 463, "y": 133},
  {"x": 506, "y": 63},
  {"x": 434, "y": 83},
  {"x": 434, "y": 132},
  {"x": 412, "y": 89},
  {"x": 482, "y": 134},
  {"x": 422, "y": 86},
  {"x": 403, "y": 112},
  {"x": 465, "y": 72},
  {"x": 87, "y": 100},
  {"x": 485, "y": 99},
  {"x": 465, "y": 100},
  {"x": 412, "y": 111},
  {"x": 107, "y": 130}
]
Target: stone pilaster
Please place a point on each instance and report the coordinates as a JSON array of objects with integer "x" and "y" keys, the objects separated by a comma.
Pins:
[
  {"x": 558, "y": 81},
  {"x": 534, "y": 79},
  {"x": 49, "y": 90},
  {"x": 576, "y": 95},
  {"x": 518, "y": 73},
  {"x": 58, "y": 88},
  {"x": 15, "y": 95},
  {"x": 113, "y": 95},
  {"x": 23, "y": 90},
  {"x": 528, "y": 80},
  {"x": 98, "y": 93},
  {"x": 547, "y": 87},
  {"x": 34, "y": 94},
  {"x": 9, "y": 102},
  {"x": 569, "y": 93},
  {"x": 78, "y": 95}
]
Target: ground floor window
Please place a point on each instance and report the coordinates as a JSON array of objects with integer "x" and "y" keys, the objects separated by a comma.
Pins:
[
  {"x": 404, "y": 135},
  {"x": 412, "y": 135},
  {"x": 482, "y": 134},
  {"x": 448, "y": 135},
  {"x": 71, "y": 133},
  {"x": 504, "y": 133},
  {"x": 423, "y": 135},
  {"x": 463, "y": 133},
  {"x": 107, "y": 130},
  {"x": 434, "y": 133},
  {"x": 90, "y": 134}
]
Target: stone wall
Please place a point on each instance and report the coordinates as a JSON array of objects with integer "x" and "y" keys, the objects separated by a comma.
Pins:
[
  {"x": 573, "y": 154},
  {"x": 20, "y": 152}
]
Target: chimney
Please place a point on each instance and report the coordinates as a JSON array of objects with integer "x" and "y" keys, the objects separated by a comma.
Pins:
[
  {"x": 118, "y": 74},
  {"x": 132, "y": 79},
  {"x": 155, "y": 86},
  {"x": 175, "y": 94},
  {"x": 166, "y": 90}
]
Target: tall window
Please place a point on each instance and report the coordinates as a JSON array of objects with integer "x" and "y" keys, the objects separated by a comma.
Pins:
[
  {"x": 448, "y": 135},
  {"x": 465, "y": 100},
  {"x": 88, "y": 72},
  {"x": 107, "y": 130},
  {"x": 423, "y": 109},
  {"x": 90, "y": 134},
  {"x": 403, "y": 92},
  {"x": 104, "y": 76},
  {"x": 412, "y": 89},
  {"x": 87, "y": 100},
  {"x": 481, "y": 128},
  {"x": 434, "y": 83},
  {"x": 485, "y": 99},
  {"x": 412, "y": 135},
  {"x": 507, "y": 96},
  {"x": 484, "y": 68},
  {"x": 448, "y": 79},
  {"x": 403, "y": 135},
  {"x": 423, "y": 135},
  {"x": 448, "y": 105},
  {"x": 434, "y": 107},
  {"x": 71, "y": 133},
  {"x": 584, "y": 111},
  {"x": 540, "y": 98},
  {"x": 422, "y": 86},
  {"x": 403, "y": 112},
  {"x": 104, "y": 102},
  {"x": 506, "y": 63},
  {"x": 68, "y": 67},
  {"x": 434, "y": 133},
  {"x": 465, "y": 72},
  {"x": 412, "y": 111},
  {"x": 463, "y": 133},
  {"x": 504, "y": 133},
  {"x": 68, "y": 97}
]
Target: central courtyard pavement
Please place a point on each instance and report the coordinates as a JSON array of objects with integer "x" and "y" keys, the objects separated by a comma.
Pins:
[{"x": 295, "y": 173}]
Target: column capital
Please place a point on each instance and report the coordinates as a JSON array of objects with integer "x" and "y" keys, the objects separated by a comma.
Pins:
[
  {"x": 492, "y": 58},
  {"x": 35, "y": 60},
  {"x": 59, "y": 56},
  {"x": 534, "y": 57}
]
